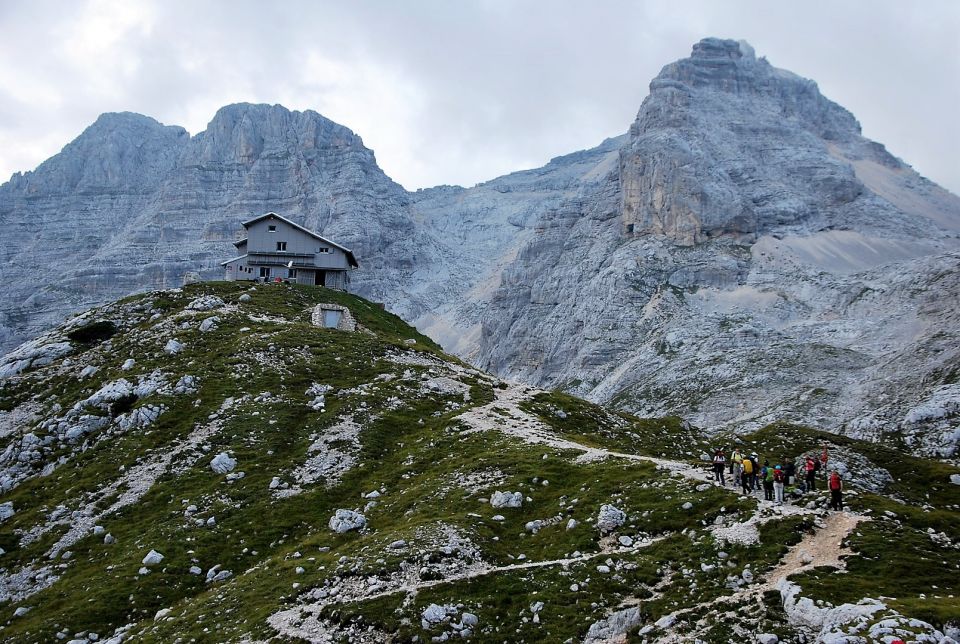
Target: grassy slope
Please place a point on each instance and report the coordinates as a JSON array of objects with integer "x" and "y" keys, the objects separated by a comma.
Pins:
[{"x": 415, "y": 451}]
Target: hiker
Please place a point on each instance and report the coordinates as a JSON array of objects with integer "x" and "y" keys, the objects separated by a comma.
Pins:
[
  {"x": 767, "y": 481},
  {"x": 746, "y": 476},
  {"x": 736, "y": 465},
  {"x": 755, "y": 461},
  {"x": 719, "y": 465},
  {"x": 836, "y": 491},
  {"x": 810, "y": 467},
  {"x": 778, "y": 478},
  {"x": 790, "y": 472}
]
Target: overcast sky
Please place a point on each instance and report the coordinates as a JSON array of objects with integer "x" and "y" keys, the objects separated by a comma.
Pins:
[{"x": 461, "y": 92}]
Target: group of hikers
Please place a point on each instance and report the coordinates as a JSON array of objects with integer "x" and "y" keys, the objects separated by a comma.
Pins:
[{"x": 793, "y": 476}]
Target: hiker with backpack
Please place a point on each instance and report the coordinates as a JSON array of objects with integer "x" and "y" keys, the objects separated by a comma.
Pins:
[
  {"x": 790, "y": 471},
  {"x": 778, "y": 478},
  {"x": 755, "y": 461},
  {"x": 746, "y": 475},
  {"x": 767, "y": 476},
  {"x": 719, "y": 465},
  {"x": 836, "y": 491},
  {"x": 736, "y": 467},
  {"x": 810, "y": 467}
]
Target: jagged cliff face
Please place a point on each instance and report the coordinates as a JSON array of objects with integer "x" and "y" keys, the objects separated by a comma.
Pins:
[
  {"x": 727, "y": 145},
  {"x": 750, "y": 257},
  {"x": 132, "y": 204},
  {"x": 741, "y": 254}
]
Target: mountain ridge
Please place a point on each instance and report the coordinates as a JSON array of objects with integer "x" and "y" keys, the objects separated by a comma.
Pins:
[{"x": 737, "y": 187}]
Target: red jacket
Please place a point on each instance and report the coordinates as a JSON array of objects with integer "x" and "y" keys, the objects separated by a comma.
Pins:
[{"x": 810, "y": 466}]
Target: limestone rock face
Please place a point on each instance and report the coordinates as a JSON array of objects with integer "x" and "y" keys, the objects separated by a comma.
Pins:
[
  {"x": 751, "y": 257},
  {"x": 133, "y": 205},
  {"x": 742, "y": 254},
  {"x": 728, "y": 145}
]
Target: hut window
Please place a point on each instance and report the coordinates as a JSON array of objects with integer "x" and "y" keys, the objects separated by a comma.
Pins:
[
  {"x": 271, "y": 229},
  {"x": 282, "y": 246}
]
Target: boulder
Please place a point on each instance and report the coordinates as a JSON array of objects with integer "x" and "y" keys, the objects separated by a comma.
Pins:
[
  {"x": 172, "y": 347},
  {"x": 152, "y": 559},
  {"x": 610, "y": 518},
  {"x": 210, "y": 324},
  {"x": 222, "y": 463},
  {"x": 6, "y": 510},
  {"x": 506, "y": 499},
  {"x": 346, "y": 520}
]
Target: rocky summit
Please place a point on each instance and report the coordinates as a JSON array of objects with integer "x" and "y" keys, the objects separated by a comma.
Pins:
[
  {"x": 266, "y": 479},
  {"x": 741, "y": 255}
]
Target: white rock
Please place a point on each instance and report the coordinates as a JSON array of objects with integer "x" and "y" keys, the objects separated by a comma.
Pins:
[
  {"x": 206, "y": 303},
  {"x": 222, "y": 463},
  {"x": 372, "y": 495},
  {"x": 498, "y": 517},
  {"x": 109, "y": 538},
  {"x": 88, "y": 371},
  {"x": 506, "y": 499},
  {"x": 572, "y": 523},
  {"x": 196, "y": 570},
  {"x": 603, "y": 569},
  {"x": 767, "y": 638},
  {"x": 172, "y": 347},
  {"x": 469, "y": 619},
  {"x": 398, "y": 544},
  {"x": 163, "y": 612},
  {"x": 747, "y": 575},
  {"x": 955, "y": 479},
  {"x": 687, "y": 505},
  {"x": 21, "y": 611},
  {"x": 245, "y": 297},
  {"x": 434, "y": 613},
  {"x": 610, "y": 518},
  {"x": 210, "y": 324},
  {"x": 666, "y": 621},
  {"x": 128, "y": 364},
  {"x": 152, "y": 559},
  {"x": 625, "y": 541},
  {"x": 346, "y": 520},
  {"x": 6, "y": 510}
]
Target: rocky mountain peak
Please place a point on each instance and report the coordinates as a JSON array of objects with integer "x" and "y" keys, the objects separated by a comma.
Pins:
[
  {"x": 245, "y": 132},
  {"x": 727, "y": 145},
  {"x": 120, "y": 151}
]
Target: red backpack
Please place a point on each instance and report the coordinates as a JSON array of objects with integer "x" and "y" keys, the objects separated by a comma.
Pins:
[{"x": 834, "y": 481}]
